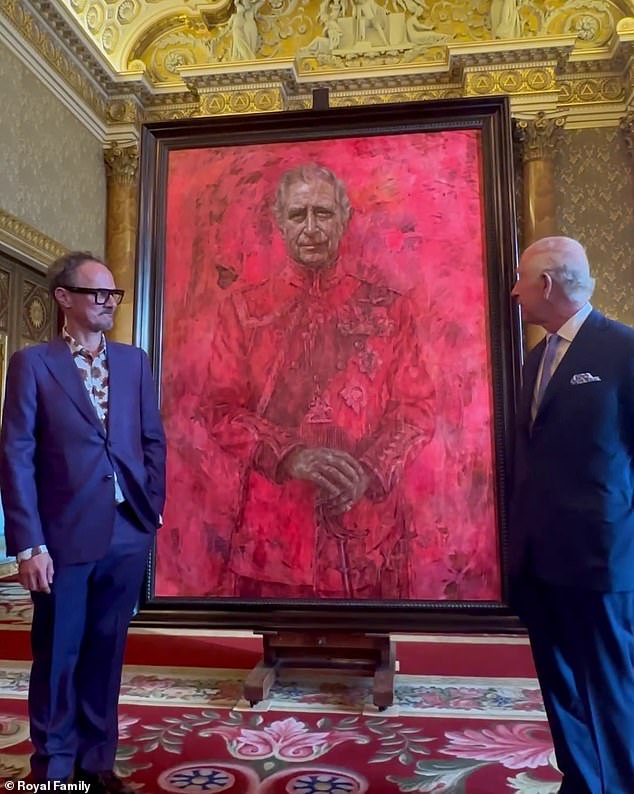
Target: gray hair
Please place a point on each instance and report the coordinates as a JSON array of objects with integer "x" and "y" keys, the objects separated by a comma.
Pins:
[
  {"x": 62, "y": 272},
  {"x": 577, "y": 287},
  {"x": 308, "y": 173},
  {"x": 568, "y": 266}
]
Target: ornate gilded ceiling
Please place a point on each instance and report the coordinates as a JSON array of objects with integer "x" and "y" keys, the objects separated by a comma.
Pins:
[
  {"x": 133, "y": 60},
  {"x": 166, "y": 35}
]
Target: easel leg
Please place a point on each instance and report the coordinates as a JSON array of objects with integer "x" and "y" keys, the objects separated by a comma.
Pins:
[
  {"x": 383, "y": 689},
  {"x": 258, "y": 683}
]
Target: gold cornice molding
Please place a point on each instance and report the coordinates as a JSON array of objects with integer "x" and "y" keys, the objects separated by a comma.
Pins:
[
  {"x": 594, "y": 85},
  {"x": 538, "y": 136},
  {"x": 50, "y": 48},
  {"x": 122, "y": 163},
  {"x": 20, "y": 238}
]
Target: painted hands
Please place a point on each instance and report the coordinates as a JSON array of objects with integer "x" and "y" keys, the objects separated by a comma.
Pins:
[{"x": 341, "y": 479}]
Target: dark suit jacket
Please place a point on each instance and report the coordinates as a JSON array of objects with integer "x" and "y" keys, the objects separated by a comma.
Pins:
[
  {"x": 572, "y": 519},
  {"x": 57, "y": 460}
]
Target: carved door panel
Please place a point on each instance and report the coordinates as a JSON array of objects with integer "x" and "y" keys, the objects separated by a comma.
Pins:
[{"x": 27, "y": 312}]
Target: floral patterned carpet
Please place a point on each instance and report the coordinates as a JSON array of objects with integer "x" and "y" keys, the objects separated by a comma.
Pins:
[
  {"x": 188, "y": 729},
  {"x": 176, "y": 749}
]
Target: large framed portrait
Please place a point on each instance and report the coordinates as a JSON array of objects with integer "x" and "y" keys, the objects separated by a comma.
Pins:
[{"x": 325, "y": 298}]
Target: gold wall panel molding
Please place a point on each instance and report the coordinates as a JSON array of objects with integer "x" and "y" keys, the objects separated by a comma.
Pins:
[
  {"x": 20, "y": 238},
  {"x": 539, "y": 137},
  {"x": 5, "y": 291}
]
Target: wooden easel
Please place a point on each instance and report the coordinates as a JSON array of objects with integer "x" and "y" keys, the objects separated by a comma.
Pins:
[{"x": 366, "y": 654}]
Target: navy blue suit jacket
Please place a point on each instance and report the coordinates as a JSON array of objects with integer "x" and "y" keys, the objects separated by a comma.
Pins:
[
  {"x": 572, "y": 518},
  {"x": 57, "y": 459}
]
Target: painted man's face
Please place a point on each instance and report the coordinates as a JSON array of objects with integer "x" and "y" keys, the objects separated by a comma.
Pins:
[{"x": 312, "y": 224}]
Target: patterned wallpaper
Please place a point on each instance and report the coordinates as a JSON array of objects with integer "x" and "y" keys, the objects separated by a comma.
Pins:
[
  {"x": 51, "y": 167},
  {"x": 595, "y": 203}
]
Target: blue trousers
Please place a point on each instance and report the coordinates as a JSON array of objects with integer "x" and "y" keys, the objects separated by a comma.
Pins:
[
  {"x": 583, "y": 646},
  {"x": 78, "y": 641}
]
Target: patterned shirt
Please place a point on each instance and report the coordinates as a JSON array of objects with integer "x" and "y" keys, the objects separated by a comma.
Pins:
[{"x": 94, "y": 372}]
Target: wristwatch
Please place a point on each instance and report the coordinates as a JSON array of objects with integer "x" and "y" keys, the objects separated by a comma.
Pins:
[{"x": 28, "y": 553}]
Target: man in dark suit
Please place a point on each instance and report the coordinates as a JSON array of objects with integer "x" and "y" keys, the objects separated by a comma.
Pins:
[
  {"x": 572, "y": 524},
  {"x": 82, "y": 473}
]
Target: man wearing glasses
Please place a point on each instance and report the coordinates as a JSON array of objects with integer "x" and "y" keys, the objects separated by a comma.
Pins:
[{"x": 82, "y": 473}]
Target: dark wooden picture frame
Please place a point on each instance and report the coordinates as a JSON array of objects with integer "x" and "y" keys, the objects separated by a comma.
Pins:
[{"x": 169, "y": 249}]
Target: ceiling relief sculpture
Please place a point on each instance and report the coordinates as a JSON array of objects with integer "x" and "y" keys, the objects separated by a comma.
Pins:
[
  {"x": 164, "y": 35},
  {"x": 156, "y": 59},
  {"x": 355, "y": 33}
]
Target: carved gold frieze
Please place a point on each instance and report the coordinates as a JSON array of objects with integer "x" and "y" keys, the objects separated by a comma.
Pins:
[
  {"x": 524, "y": 80},
  {"x": 584, "y": 90},
  {"x": 124, "y": 111},
  {"x": 169, "y": 112},
  {"x": 304, "y": 102},
  {"x": 240, "y": 100},
  {"x": 378, "y": 96}
]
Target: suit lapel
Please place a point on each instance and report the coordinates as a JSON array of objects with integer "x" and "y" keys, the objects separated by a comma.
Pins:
[
  {"x": 574, "y": 360},
  {"x": 116, "y": 385},
  {"x": 60, "y": 364}
]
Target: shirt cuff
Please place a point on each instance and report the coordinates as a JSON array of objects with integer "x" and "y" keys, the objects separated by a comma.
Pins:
[{"x": 26, "y": 554}]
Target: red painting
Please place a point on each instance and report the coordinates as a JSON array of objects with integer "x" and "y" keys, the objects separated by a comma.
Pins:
[{"x": 326, "y": 372}]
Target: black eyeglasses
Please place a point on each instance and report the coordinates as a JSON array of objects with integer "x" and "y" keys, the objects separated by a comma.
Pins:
[{"x": 101, "y": 296}]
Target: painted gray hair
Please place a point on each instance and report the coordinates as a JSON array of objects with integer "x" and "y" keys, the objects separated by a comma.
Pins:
[{"x": 308, "y": 173}]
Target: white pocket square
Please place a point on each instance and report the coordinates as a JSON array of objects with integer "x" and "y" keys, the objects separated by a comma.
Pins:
[{"x": 583, "y": 377}]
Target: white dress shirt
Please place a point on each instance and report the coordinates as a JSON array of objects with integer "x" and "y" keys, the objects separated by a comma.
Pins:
[{"x": 566, "y": 334}]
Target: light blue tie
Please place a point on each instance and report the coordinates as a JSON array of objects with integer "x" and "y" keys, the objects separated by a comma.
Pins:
[{"x": 552, "y": 343}]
